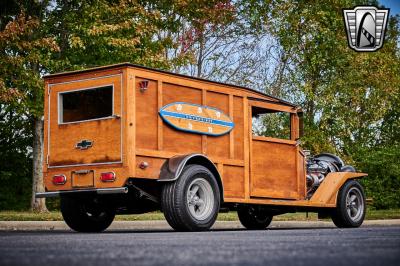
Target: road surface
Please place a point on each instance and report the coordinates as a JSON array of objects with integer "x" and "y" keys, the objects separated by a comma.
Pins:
[{"x": 317, "y": 246}]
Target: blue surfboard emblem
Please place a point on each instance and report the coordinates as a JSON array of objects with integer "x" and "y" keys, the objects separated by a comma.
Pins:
[{"x": 196, "y": 118}]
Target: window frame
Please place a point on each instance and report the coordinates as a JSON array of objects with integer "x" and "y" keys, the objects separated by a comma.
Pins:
[
  {"x": 60, "y": 104},
  {"x": 292, "y": 111}
]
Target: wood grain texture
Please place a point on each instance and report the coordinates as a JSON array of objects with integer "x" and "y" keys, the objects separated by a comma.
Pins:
[
  {"x": 273, "y": 170},
  {"x": 64, "y": 137},
  {"x": 146, "y": 115},
  {"x": 176, "y": 141},
  {"x": 152, "y": 171},
  {"x": 331, "y": 185},
  {"x": 130, "y": 125},
  {"x": 257, "y": 170},
  {"x": 233, "y": 180},
  {"x": 159, "y": 119},
  {"x": 218, "y": 146}
]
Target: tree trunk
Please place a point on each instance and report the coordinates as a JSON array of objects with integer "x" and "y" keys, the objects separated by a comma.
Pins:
[{"x": 38, "y": 205}]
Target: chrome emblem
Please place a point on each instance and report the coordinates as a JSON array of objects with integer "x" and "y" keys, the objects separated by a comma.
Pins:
[
  {"x": 365, "y": 26},
  {"x": 84, "y": 144}
]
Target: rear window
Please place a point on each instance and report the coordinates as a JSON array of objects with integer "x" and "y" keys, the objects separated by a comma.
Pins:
[{"x": 86, "y": 104}]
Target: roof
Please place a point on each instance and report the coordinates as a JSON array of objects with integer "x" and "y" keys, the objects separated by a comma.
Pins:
[{"x": 166, "y": 72}]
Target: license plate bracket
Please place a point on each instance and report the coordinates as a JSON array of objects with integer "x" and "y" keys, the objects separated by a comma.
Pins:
[{"x": 83, "y": 178}]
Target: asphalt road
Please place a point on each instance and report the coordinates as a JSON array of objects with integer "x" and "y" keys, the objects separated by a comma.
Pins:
[{"x": 317, "y": 246}]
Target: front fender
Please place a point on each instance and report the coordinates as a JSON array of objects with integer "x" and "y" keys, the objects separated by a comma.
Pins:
[{"x": 327, "y": 192}]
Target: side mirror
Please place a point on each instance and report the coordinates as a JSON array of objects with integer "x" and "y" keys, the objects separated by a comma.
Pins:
[{"x": 301, "y": 124}]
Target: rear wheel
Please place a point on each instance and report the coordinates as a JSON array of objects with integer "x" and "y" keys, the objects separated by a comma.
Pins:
[
  {"x": 254, "y": 217},
  {"x": 350, "y": 209},
  {"x": 191, "y": 203},
  {"x": 86, "y": 214}
]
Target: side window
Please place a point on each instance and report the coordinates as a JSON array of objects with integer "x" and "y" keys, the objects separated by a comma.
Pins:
[{"x": 270, "y": 123}]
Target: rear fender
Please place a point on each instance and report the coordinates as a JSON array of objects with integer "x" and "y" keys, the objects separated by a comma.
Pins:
[
  {"x": 327, "y": 192},
  {"x": 173, "y": 167}
]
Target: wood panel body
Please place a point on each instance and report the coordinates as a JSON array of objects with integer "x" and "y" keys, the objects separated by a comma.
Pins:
[{"x": 253, "y": 169}]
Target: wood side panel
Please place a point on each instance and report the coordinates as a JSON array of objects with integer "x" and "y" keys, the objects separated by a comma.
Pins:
[
  {"x": 153, "y": 169},
  {"x": 146, "y": 115},
  {"x": 273, "y": 170},
  {"x": 174, "y": 140},
  {"x": 233, "y": 181},
  {"x": 238, "y": 130},
  {"x": 218, "y": 145},
  {"x": 169, "y": 154}
]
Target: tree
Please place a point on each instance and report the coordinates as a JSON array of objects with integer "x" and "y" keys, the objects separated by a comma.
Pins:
[{"x": 43, "y": 37}]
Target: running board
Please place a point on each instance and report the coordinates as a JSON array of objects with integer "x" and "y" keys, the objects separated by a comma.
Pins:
[{"x": 100, "y": 191}]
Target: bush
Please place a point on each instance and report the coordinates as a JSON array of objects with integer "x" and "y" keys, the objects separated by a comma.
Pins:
[{"x": 383, "y": 181}]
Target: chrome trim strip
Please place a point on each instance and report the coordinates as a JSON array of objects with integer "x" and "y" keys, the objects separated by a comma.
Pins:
[
  {"x": 100, "y": 191},
  {"x": 84, "y": 164}
]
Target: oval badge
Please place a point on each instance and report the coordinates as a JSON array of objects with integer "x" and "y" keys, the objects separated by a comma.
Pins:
[{"x": 195, "y": 118}]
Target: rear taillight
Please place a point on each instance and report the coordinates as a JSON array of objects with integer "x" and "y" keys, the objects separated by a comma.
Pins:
[
  {"x": 107, "y": 177},
  {"x": 59, "y": 179}
]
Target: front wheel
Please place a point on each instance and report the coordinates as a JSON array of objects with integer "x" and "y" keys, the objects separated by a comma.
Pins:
[
  {"x": 254, "y": 217},
  {"x": 86, "y": 214},
  {"x": 350, "y": 209},
  {"x": 191, "y": 203}
]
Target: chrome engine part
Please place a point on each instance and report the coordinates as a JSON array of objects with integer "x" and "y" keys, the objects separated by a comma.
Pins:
[{"x": 319, "y": 166}]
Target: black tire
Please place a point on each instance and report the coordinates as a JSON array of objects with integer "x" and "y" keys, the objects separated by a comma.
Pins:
[
  {"x": 254, "y": 217},
  {"x": 350, "y": 213},
  {"x": 179, "y": 205},
  {"x": 86, "y": 214}
]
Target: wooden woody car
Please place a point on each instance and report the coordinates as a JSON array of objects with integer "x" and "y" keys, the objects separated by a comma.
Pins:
[{"x": 124, "y": 139}]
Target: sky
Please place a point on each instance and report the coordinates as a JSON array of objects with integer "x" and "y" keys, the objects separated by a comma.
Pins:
[{"x": 394, "y": 6}]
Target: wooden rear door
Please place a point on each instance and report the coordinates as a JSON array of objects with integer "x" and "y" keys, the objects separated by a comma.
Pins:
[
  {"x": 84, "y": 122},
  {"x": 275, "y": 164}
]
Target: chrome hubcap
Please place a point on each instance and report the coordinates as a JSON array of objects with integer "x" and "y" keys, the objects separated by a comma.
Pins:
[
  {"x": 354, "y": 204},
  {"x": 200, "y": 199}
]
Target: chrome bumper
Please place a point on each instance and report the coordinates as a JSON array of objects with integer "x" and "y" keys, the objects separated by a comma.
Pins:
[{"x": 101, "y": 191}]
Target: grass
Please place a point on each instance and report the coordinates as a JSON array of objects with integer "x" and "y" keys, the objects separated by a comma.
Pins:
[{"x": 230, "y": 216}]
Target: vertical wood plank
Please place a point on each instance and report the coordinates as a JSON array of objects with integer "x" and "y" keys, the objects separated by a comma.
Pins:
[
  {"x": 130, "y": 87},
  {"x": 294, "y": 127},
  {"x": 247, "y": 149},
  {"x": 231, "y": 136},
  {"x": 220, "y": 168},
  {"x": 160, "y": 122},
  {"x": 203, "y": 137}
]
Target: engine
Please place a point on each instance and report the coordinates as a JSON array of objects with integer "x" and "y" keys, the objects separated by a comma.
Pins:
[{"x": 319, "y": 166}]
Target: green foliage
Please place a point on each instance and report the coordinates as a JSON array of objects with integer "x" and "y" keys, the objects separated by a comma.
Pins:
[
  {"x": 15, "y": 163},
  {"x": 383, "y": 181}
]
